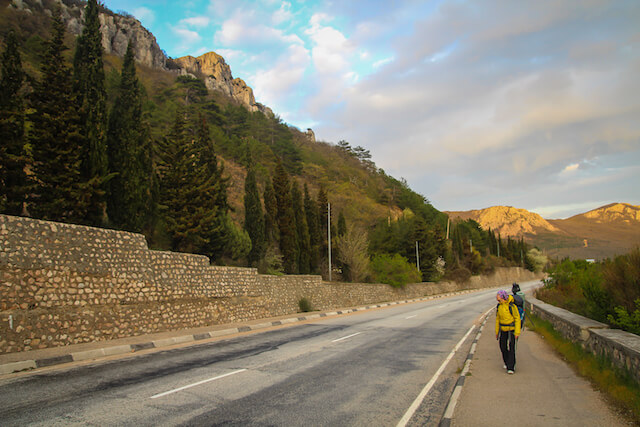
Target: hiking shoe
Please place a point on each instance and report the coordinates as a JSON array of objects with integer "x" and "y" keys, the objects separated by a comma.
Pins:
[{"x": 510, "y": 372}]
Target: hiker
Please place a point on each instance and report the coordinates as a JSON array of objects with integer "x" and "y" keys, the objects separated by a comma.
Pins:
[
  {"x": 507, "y": 329},
  {"x": 518, "y": 299}
]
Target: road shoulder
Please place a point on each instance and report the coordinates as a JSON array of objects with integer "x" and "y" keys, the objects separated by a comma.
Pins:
[{"x": 543, "y": 391}]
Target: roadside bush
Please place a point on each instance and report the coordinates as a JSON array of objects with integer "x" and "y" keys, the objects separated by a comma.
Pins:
[
  {"x": 395, "y": 271},
  {"x": 305, "y": 305}
]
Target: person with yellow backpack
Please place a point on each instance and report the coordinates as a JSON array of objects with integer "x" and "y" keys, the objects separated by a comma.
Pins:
[{"x": 507, "y": 329}]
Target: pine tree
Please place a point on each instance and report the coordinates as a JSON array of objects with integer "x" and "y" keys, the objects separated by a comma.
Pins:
[
  {"x": 130, "y": 198},
  {"x": 302, "y": 231},
  {"x": 58, "y": 193},
  {"x": 221, "y": 235},
  {"x": 13, "y": 181},
  {"x": 89, "y": 87},
  {"x": 286, "y": 220},
  {"x": 253, "y": 218}
]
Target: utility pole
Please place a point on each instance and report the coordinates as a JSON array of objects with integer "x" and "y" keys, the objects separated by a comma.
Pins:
[
  {"x": 448, "y": 220},
  {"x": 417, "y": 256},
  {"x": 498, "y": 248},
  {"x": 329, "y": 235}
]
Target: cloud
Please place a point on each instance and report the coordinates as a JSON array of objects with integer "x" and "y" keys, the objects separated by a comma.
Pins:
[
  {"x": 187, "y": 37},
  {"x": 144, "y": 15},
  {"x": 245, "y": 29},
  {"x": 196, "y": 21},
  {"x": 504, "y": 95}
]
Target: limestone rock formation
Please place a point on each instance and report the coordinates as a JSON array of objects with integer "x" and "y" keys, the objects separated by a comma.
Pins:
[
  {"x": 217, "y": 76},
  {"x": 615, "y": 212},
  {"x": 119, "y": 29},
  {"x": 507, "y": 220}
]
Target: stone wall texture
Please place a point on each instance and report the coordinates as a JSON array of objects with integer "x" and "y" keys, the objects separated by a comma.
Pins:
[
  {"x": 63, "y": 284},
  {"x": 622, "y": 348}
]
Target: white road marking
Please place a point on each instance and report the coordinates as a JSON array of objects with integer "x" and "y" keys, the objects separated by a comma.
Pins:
[
  {"x": 348, "y": 336},
  {"x": 198, "y": 383},
  {"x": 416, "y": 403},
  {"x": 411, "y": 317}
]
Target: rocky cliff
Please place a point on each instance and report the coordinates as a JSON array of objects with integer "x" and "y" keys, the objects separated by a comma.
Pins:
[
  {"x": 217, "y": 76},
  {"x": 507, "y": 220},
  {"x": 120, "y": 29},
  {"x": 615, "y": 213}
]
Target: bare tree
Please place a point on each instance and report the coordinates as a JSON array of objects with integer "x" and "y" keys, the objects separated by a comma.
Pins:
[{"x": 352, "y": 252}]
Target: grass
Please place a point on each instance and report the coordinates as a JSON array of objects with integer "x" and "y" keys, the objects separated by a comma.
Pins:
[{"x": 616, "y": 383}]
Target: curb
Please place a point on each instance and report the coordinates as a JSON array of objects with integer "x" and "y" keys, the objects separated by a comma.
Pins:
[
  {"x": 445, "y": 421},
  {"x": 25, "y": 365}
]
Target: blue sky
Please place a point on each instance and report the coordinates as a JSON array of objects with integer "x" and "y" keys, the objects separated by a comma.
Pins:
[{"x": 475, "y": 103}]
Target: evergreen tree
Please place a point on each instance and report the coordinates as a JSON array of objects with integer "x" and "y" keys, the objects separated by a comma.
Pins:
[
  {"x": 311, "y": 212},
  {"x": 342, "y": 224},
  {"x": 181, "y": 199},
  {"x": 89, "y": 87},
  {"x": 254, "y": 218},
  {"x": 270, "y": 215},
  {"x": 58, "y": 193},
  {"x": 322, "y": 227},
  {"x": 130, "y": 154},
  {"x": 13, "y": 181},
  {"x": 221, "y": 235},
  {"x": 302, "y": 231},
  {"x": 286, "y": 220}
]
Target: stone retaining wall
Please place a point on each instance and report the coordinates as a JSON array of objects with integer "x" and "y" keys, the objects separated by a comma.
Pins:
[
  {"x": 63, "y": 284},
  {"x": 622, "y": 348}
]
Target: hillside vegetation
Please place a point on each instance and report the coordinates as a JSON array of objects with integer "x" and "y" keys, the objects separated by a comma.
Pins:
[{"x": 99, "y": 140}]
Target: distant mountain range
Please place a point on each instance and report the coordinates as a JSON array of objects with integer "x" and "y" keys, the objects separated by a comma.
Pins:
[{"x": 600, "y": 233}]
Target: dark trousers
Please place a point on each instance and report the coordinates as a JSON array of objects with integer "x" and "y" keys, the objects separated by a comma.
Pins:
[{"x": 508, "y": 349}]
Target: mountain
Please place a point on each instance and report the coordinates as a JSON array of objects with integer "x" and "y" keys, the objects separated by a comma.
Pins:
[
  {"x": 507, "y": 221},
  {"x": 604, "y": 232},
  {"x": 119, "y": 29}
]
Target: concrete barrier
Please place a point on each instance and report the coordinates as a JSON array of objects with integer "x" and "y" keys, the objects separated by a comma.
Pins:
[{"x": 622, "y": 348}]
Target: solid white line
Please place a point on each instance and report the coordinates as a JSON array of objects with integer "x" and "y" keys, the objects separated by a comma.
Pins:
[
  {"x": 416, "y": 403},
  {"x": 198, "y": 383},
  {"x": 348, "y": 336},
  {"x": 411, "y": 317}
]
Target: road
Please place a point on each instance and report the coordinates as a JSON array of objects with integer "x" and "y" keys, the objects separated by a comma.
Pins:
[{"x": 367, "y": 368}]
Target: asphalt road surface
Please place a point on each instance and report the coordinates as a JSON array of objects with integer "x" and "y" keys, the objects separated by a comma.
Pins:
[{"x": 367, "y": 368}]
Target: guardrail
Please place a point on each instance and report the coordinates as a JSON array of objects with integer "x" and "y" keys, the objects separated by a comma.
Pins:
[{"x": 622, "y": 348}]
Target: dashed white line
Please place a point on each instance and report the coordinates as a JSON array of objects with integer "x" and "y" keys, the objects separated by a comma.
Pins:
[
  {"x": 411, "y": 317},
  {"x": 348, "y": 336},
  {"x": 195, "y": 384}
]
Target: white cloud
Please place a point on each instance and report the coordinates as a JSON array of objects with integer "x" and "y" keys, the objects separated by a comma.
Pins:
[
  {"x": 571, "y": 168},
  {"x": 144, "y": 15},
  {"x": 276, "y": 83},
  {"x": 196, "y": 21},
  {"x": 283, "y": 14},
  {"x": 187, "y": 37},
  {"x": 246, "y": 29}
]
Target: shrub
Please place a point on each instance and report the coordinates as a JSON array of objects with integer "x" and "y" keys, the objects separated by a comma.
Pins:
[
  {"x": 395, "y": 271},
  {"x": 305, "y": 305}
]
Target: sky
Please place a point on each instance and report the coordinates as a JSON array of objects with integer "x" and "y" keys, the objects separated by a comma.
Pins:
[{"x": 531, "y": 104}]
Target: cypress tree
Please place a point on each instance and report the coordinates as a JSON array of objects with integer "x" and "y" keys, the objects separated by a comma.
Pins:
[
  {"x": 270, "y": 215},
  {"x": 89, "y": 87},
  {"x": 311, "y": 212},
  {"x": 55, "y": 138},
  {"x": 286, "y": 219},
  {"x": 302, "y": 231},
  {"x": 13, "y": 181},
  {"x": 342, "y": 224},
  {"x": 130, "y": 200},
  {"x": 253, "y": 218},
  {"x": 322, "y": 222}
]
